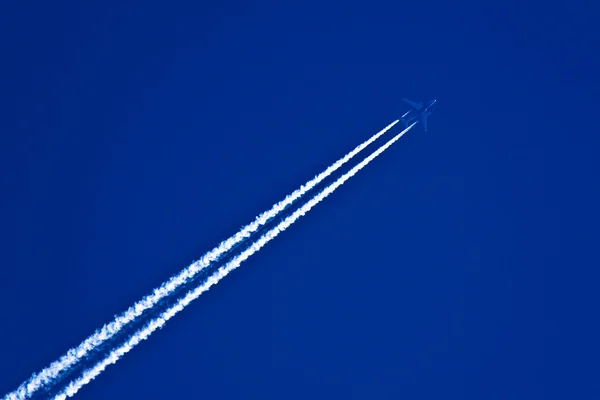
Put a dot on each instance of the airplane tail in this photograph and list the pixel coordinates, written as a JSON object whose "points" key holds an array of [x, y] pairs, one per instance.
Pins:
{"points": [[404, 118]]}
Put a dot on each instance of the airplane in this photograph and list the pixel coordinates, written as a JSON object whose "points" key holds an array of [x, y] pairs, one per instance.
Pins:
{"points": [[420, 111]]}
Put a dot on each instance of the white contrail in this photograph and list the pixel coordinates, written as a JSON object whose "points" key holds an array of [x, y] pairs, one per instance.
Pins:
{"points": [[158, 322], [48, 374]]}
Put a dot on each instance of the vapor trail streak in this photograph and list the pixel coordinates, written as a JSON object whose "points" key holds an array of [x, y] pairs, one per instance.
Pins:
{"points": [[48, 374], [158, 322]]}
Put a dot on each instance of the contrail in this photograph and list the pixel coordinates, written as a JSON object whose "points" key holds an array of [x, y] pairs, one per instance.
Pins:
{"points": [[47, 375], [158, 322]]}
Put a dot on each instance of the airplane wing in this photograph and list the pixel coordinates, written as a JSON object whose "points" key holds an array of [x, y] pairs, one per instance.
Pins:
{"points": [[414, 105]]}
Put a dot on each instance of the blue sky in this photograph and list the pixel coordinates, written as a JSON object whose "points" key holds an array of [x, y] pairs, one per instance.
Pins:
{"points": [[459, 264]]}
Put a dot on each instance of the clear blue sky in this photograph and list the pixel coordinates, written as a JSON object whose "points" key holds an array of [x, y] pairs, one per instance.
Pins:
{"points": [[460, 264]]}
